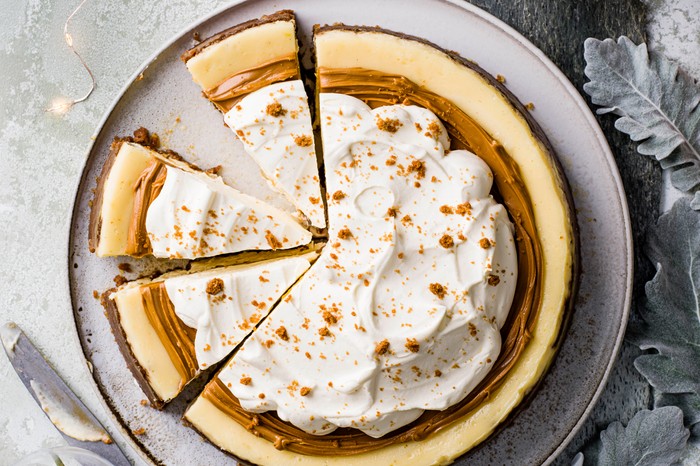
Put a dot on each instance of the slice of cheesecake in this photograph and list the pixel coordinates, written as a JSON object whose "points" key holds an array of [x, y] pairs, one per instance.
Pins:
{"points": [[251, 73], [171, 328], [150, 201]]}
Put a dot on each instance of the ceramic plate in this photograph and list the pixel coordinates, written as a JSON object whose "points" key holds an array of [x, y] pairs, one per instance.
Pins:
{"points": [[163, 98]]}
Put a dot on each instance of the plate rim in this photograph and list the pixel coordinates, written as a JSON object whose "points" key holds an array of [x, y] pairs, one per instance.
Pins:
{"points": [[116, 420]]}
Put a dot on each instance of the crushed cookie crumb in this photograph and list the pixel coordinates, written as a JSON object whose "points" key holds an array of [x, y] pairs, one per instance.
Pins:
{"points": [[446, 241], [486, 243], [417, 167], [324, 332], [272, 240], [434, 130], [215, 286], [500, 78], [391, 161], [275, 109], [412, 345], [382, 347], [314, 200], [438, 290], [494, 280], [261, 396], [124, 267], [246, 380], [345, 233], [139, 431], [447, 210], [472, 330], [330, 318], [437, 373], [390, 125], [392, 212], [95, 294], [464, 209], [119, 280], [530, 106], [303, 140], [144, 403], [282, 333], [338, 195], [304, 391]]}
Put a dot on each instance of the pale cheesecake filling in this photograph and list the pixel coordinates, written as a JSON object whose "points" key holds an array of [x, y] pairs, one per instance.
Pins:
{"points": [[242, 51], [402, 311], [224, 305], [197, 215], [274, 125]]}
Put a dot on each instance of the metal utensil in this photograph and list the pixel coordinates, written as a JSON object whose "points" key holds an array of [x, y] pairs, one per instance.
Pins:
{"points": [[72, 418]]}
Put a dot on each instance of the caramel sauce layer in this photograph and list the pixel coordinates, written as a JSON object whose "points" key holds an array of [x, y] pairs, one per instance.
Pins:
{"points": [[176, 337], [146, 189], [228, 93], [378, 89]]}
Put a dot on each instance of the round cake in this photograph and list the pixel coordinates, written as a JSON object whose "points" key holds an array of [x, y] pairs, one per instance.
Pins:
{"points": [[436, 291]]}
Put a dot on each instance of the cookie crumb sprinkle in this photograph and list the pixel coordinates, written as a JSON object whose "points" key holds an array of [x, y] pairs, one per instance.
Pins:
{"points": [[215, 286]]}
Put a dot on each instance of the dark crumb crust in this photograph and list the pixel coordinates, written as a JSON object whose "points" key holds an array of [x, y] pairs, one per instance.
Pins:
{"points": [[282, 15], [142, 137], [561, 180], [132, 363]]}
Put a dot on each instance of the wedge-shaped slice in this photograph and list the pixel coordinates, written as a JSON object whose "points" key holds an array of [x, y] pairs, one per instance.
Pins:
{"points": [[251, 73], [401, 341], [151, 202], [171, 328]]}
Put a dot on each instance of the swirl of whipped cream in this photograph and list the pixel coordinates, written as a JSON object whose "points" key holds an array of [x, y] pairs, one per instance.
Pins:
{"points": [[274, 125], [197, 215], [242, 296], [402, 311]]}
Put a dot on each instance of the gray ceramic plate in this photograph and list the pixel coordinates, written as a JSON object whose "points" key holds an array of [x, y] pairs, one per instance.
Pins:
{"points": [[163, 98]]}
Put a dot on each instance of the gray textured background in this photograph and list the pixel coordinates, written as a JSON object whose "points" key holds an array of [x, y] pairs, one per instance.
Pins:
{"points": [[41, 156]]}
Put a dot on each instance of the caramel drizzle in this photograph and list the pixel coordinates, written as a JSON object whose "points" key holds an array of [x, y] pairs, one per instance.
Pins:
{"points": [[176, 337], [378, 89], [146, 189], [228, 93]]}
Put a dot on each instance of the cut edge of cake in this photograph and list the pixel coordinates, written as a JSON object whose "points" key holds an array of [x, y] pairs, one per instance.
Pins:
{"points": [[140, 330]]}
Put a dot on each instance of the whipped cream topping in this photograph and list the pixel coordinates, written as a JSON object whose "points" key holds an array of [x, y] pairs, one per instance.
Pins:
{"points": [[225, 304], [197, 215], [402, 311], [274, 124]]}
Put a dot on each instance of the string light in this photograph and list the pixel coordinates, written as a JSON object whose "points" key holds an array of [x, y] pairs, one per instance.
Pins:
{"points": [[61, 104]]}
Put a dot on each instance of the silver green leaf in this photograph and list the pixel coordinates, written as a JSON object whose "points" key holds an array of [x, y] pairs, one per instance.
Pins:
{"points": [[658, 104], [670, 318], [651, 438]]}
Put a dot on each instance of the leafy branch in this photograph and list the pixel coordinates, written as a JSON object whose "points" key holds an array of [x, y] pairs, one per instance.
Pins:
{"points": [[657, 102]]}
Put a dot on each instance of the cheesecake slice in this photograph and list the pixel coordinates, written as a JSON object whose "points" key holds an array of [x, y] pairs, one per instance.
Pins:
{"points": [[171, 328], [251, 73], [150, 201], [450, 305]]}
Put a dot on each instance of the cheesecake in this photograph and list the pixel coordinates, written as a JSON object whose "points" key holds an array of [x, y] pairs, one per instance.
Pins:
{"points": [[171, 328], [439, 301], [251, 73], [151, 202]]}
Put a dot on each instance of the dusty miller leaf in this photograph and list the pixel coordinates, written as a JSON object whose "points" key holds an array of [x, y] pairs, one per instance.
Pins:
{"points": [[670, 318], [658, 104], [652, 438]]}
